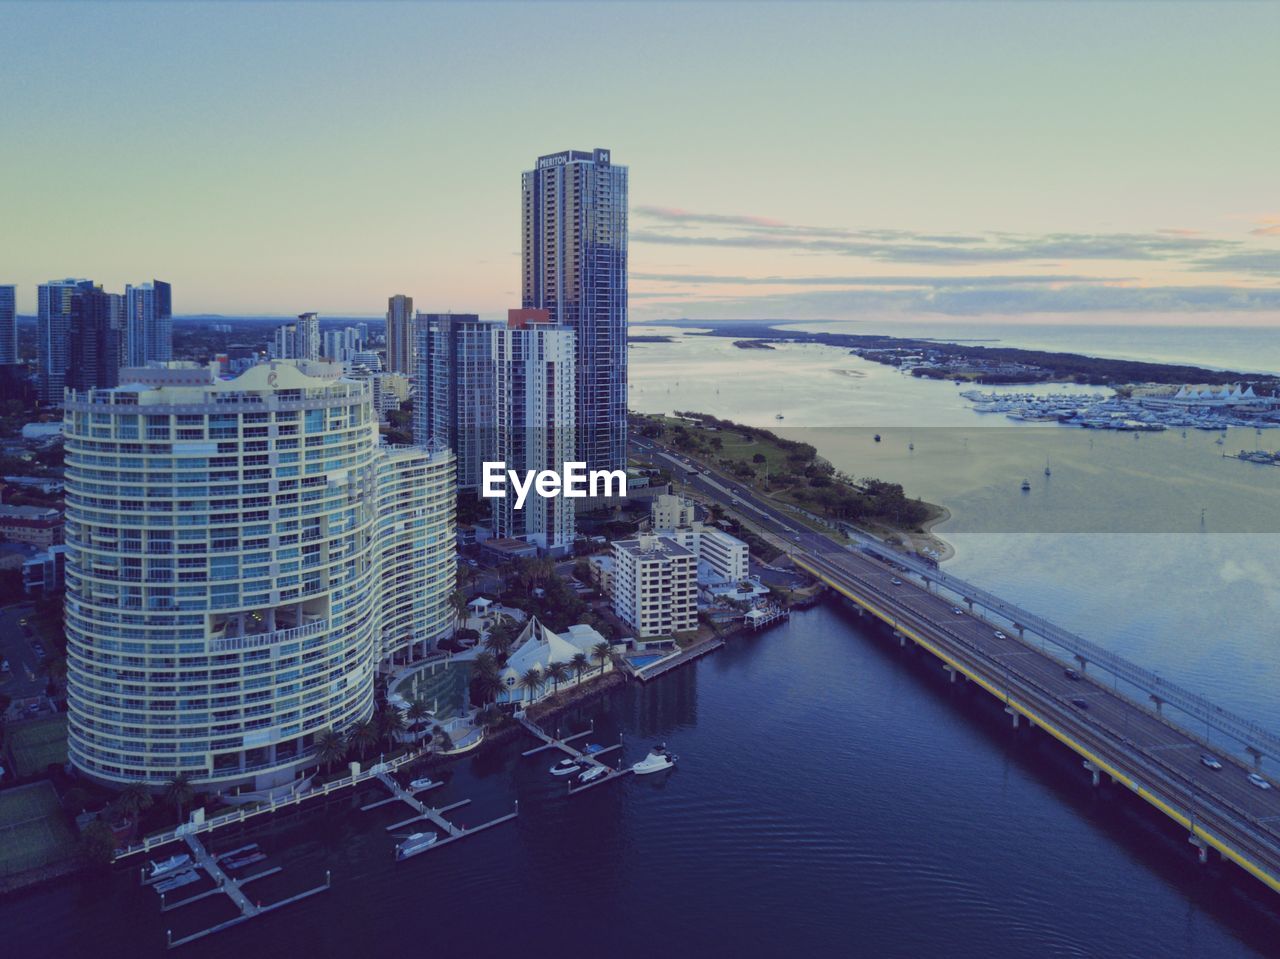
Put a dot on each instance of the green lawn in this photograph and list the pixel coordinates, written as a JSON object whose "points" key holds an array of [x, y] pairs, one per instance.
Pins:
{"points": [[33, 829], [36, 743]]}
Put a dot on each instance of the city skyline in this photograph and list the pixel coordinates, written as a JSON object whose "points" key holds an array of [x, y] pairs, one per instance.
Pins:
{"points": [[959, 163]]}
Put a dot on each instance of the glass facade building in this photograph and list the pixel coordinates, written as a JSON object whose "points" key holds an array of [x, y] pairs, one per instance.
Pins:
{"points": [[241, 556], [148, 324], [8, 325], [574, 265]]}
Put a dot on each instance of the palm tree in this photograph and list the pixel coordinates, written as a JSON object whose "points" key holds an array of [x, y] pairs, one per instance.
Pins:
{"points": [[500, 637], [134, 798], [458, 603], [364, 737], [178, 792], [331, 746], [580, 664], [532, 681], [417, 712], [600, 653], [557, 673], [485, 676], [390, 724]]}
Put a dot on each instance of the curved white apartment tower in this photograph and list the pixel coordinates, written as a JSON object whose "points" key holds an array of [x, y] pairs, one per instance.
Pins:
{"points": [[241, 555]]}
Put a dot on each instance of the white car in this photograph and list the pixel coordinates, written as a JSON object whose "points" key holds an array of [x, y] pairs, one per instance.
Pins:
{"points": [[1210, 761], [1256, 780], [999, 635], [957, 610]]}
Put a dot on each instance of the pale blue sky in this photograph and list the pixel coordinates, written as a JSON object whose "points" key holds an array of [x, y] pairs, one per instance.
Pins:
{"points": [[785, 160]]}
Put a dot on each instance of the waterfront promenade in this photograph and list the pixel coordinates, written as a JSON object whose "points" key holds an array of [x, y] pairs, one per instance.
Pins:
{"points": [[1137, 744]]}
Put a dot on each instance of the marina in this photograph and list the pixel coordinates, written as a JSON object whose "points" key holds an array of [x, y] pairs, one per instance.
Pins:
{"points": [[594, 771], [1139, 412], [417, 842]]}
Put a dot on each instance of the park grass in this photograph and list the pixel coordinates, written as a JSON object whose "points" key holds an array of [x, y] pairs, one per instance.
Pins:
{"points": [[37, 743], [34, 832]]}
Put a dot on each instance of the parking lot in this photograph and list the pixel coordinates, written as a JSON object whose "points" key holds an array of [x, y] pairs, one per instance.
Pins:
{"points": [[20, 646]]}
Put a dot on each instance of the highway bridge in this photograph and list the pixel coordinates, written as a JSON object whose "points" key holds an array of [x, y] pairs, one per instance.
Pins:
{"points": [[1055, 685]]}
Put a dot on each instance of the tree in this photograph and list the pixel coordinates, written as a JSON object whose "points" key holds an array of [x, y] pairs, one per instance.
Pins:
{"points": [[364, 736], [501, 636], [600, 653], [331, 747], [458, 603], [444, 742], [417, 714], [485, 678], [97, 844], [531, 682], [557, 673], [390, 725], [178, 792], [580, 664], [133, 799]]}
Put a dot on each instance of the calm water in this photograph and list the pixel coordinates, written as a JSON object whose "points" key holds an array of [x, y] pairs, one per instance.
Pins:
{"points": [[834, 797]]}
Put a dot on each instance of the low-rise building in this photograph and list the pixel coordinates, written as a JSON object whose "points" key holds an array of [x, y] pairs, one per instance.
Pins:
{"points": [[36, 525], [671, 512], [655, 586], [537, 649], [42, 574]]}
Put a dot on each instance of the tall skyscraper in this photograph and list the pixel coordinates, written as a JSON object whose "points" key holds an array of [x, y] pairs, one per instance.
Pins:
{"points": [[454, 388], [53, 327], [400, 334], [222, 610], [8, 325], [534, 362], [574, 245], [148, 323], [299, 340], [93, 341]]}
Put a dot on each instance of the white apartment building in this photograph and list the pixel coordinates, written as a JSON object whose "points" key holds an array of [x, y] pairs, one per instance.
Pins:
{"points": [[241, 556], [655, 586], [671, 512]]}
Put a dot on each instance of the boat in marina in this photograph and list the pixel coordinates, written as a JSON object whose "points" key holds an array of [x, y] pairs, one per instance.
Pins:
{"points": [[177, 881], [565, 767], [416, 843], [592, 773], [657, 761], [426, 782], [168, 866]]}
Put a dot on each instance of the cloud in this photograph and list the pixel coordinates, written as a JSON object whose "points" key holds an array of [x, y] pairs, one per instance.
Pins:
{"points": [[1073, 298], [1264, 262], [1270, 227], [900, 281]]}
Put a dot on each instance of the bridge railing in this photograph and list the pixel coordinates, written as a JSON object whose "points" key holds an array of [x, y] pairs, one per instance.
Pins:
{"points": [[1249, 733]]}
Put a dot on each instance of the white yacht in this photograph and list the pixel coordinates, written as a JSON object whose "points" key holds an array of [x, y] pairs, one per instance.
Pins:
{"points": [[592, 773], [426, 782], [167, 866], [565, 767], [657, 760], [415, 843]]}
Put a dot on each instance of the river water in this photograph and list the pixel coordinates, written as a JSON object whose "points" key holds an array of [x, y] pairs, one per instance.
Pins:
{"points": [[834, 795]]}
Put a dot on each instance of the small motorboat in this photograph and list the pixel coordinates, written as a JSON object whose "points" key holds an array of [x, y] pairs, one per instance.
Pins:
{"points": [[876, 437], [426, 782], [593, 748], [565, 767], [592, 773], [1026, 485], [657, 760], [168, 866], [177, 882], [779, 417], [415, 843]]}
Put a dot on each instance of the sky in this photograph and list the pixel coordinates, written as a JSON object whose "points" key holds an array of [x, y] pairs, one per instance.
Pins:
{"points": [[1078, 162]]}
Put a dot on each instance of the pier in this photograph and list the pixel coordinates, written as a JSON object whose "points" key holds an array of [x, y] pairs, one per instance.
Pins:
{"points": [[590, 759], [435, 816], [663, 666], [229, 886]]}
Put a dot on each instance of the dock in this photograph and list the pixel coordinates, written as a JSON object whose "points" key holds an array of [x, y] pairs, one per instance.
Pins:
{"points": [[232, 888], [435, 816], [686, 655], [591, 759]]}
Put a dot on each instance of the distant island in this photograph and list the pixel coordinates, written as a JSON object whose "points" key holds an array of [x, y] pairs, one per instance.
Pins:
{"points": [[936, 359], [650, 338]]}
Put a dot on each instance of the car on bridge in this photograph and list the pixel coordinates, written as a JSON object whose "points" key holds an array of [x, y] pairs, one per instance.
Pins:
{"points": [[1071, 674], [998, 634], [1080, 703], [896, 581], [1256, 780], [957, 610], [1210, 761]]}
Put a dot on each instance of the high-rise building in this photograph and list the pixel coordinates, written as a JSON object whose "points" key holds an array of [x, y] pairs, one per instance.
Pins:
{"points": [[654, 586], [148, 324], [93, 341], [574, 245], [534, 362], [241, 555], [400, 334], [8, 325], [454, 388], [53, 326], [299, 340]]}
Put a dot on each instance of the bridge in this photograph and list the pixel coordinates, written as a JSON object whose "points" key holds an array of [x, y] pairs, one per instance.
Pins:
{"points": [[1057, 685]]}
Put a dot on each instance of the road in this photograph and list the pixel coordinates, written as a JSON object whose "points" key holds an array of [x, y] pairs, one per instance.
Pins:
{"points": [[1154, 757], [23, 679]]}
